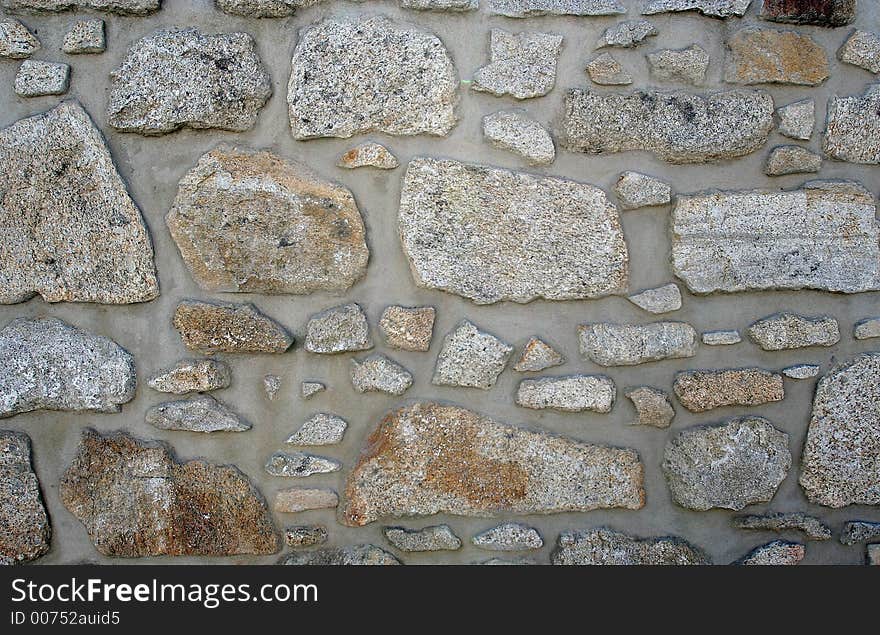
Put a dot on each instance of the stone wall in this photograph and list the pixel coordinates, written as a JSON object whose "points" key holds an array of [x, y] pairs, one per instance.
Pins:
{"points": [[540, 167]]}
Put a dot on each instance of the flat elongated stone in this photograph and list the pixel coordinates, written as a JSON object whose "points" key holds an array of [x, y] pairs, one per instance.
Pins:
{"points": [[663, 299], [797, 120], [378, 373], [862, 49], [514, 131], [16, 41], [429, 458], [135, 499], [320, 429], [121, 7], [201, 413], [768, 56], [509, 537], [627, 34], [852, 130], [867, 328], [339, 330], [811, 527], [435, 538], [530, 8], [368, 155], [728, 466], [48, 364], [300, 464], [71, 231], [522, 65], [538, 355], [713, 8], [574, 393], [607, 71], [828, 13], [801, 371], [778, 552], [305, 536], [300, 499], [822, 236], [635, 190], [784, 331], [261, 8], [678, 127], [784, 160], [721, 338], [609, 344], [357, 555], [384, 77], [535, 237], [251, 222], [840, 464], [223, 327], [702, 390], [26, 529], [608, 547], [192, 375], [85, 36], [687, 65], [856, 531], [652, 407], [409, 329], [471, 358], [456, 6]]}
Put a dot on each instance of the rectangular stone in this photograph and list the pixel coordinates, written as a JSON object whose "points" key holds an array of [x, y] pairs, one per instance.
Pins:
{"points": [[575, 393], [609, 344]]}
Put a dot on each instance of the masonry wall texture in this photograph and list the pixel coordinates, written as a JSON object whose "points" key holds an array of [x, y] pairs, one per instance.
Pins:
{"points": [[464, 220]]}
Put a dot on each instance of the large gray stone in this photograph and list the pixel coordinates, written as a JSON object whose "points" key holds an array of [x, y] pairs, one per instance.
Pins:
{"points": [[609, 344], [122, 7], [608, 547], [470, 358], [201, 413], [713, 8], [522, 65], [702, 390], [340, 329], [784, 331], [26, 528], [226, 327], [357, 555], [852, 130], [574, 393], [16, 41], [530, 8]]}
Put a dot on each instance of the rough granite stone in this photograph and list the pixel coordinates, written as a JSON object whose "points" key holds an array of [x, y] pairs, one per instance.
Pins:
{"points": [[712, 8], [727, 466], [251, 222], [470, 358], [862, 49], [36, 78], [383, 77], [810, 526], [225, 327], [535, 237], [678, 127], [822, 236], [509, 537], [627, 34], [368, 155], [98, 249], [85, 36], [797, 120], [635, 190], [320, 429], [309, 389], [702, 390], [867, 328], [176, 78], [26, 529], [827, 13], [516, 132], [606, 71], [533, 8], [16, 41], [778, 552], [262, 8], [300, 499], [604, 546], [339, 329], [522, 65], [538, 355], [120, 7], [201, 413], [357, 555], [769, 56], [435, 538], [300, 464], [573, 393], [378, 373], [429, 458], [609, 344], [408, 328], [192, 375], [791, 159], [48, 364], [305, 536], [852, 130], [653, 407], [135, 499], [455, 6], [856, 531], [721, 338], [686, 66], [801, 371], [784, 331], [271, 386], [660, 300], [840, 464]]}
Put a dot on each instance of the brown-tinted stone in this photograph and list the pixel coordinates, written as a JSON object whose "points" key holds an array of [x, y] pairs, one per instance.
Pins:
{"points": [[299, 499], [701, 390], [409, 329], [765, 56], [25, 526], [778, 552], [830, 13], [221, 327]]}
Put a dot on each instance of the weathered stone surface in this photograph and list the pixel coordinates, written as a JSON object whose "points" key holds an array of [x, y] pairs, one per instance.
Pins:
{"points": [[574, 393], [441, 5], [852, 130], [627, 34], [175, 78], [721, 338], [810, 526], [26, 528], [635, 190], [192, 375], [797, 120], [509, 537], [862, 49], [535, 237], [609, 344], [687, 65], [652, 407], [513, 562], [663, 299], [516, 132], [71, 231], [271, 386], [768, 56], [829, 13], [822, 236], [702, 390], [784, 331], [429, 458], [383, 76], [36, 78], [48, 364], [300, 464], [339, 329], [678, 127], [872, 555], [378, 373], [522, 65], [225, 327], [471, 358], [801, 371], [778, 552], [121, 7], [201, 413], [85, 36], [135, 499], [16, 41], [840, 464], [261, 8], [358, 555], [300, 499], [320, 429], [867, 328], [856, 531], [538, 355], [606, 71], [304, 536], [248, 221], [713, 8], [368, 155], [608, 547], [435, 538], [728, 466], [530, 8], [409, 329], [309, 389], [792, 159]]}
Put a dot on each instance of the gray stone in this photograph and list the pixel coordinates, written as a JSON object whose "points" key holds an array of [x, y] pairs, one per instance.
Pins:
{"points": [[384, 77], [201, 413], [801, 371], [778, 552], [368, 155], [797, 120], [378, 373], [827, 13], [840, 464], [74, 234], [784, 331], [721, 338], [192, 375], [768, 56], [713, 8], [609, 344], [635, 190], [251, 222], [811, 527], [304, 536], [357, 555], [792, 159], [856, 531], [514, 131], [26, 529], [573, 393], [300, 499], [872, 555], [428, 458], [661, 300], [852, 130], [522, 65], [340, 329], [608, 547], [121, 7], [409, 329], [48, 364], [702, 390], [867, 328], [727, 466], [535, 237], [678, 127], [435, 538], [85, 36], [262, 8], [530, 8], [822, 236], [686, 66], [509, 537], [320, 429], [456, 6], [627, 34], [606, 71], [471, 358], [862, 49], [225, 327], [16, 41], [513, 562], [652, 407], [36, 78], [300, 465], [309, 389], [538, 355], [271, 386]]}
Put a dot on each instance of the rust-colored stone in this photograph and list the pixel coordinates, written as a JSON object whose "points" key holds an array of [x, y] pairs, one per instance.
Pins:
{"points": [[765, 56], [829, 13]]}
